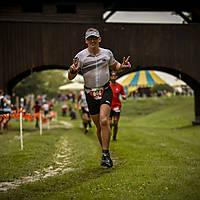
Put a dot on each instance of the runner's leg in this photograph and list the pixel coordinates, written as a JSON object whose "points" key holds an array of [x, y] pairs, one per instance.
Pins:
{"points": [[110, 120], [115, 129], [89, 120], [96, 121], [85, 122], [105, 126]]}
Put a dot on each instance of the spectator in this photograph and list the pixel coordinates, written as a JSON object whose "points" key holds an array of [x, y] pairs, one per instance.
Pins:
{"points": [[1, 110], [37, 108], [45, 108], [64, 109], [7, 110]]}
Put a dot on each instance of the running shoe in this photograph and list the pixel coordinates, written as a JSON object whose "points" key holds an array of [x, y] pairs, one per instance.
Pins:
{"points": [[86, 131], [89, 123], [106, 160]]}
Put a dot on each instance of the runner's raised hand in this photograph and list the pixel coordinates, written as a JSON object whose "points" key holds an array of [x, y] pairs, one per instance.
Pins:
{"points": [[125, 63], [74, 68]]}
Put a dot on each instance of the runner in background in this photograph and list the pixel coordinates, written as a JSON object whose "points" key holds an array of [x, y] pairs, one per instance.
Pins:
{"points": [[116, 103], [45, 107], [81, 99]]}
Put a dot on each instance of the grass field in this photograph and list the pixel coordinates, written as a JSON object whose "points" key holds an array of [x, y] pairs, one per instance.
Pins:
{"points": [[156, 157]]}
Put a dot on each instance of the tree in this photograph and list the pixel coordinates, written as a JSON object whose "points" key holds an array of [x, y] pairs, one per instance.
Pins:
{"points": [[45, 82]]}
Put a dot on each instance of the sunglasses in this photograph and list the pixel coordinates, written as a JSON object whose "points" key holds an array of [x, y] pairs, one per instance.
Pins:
{"points": [[92, 38]]}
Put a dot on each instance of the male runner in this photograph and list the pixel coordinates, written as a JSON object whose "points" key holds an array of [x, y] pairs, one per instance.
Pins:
{"points": [[116, 103], [94, 64]]}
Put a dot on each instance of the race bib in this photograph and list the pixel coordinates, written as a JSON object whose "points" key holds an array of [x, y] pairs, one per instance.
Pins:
{"points": [[97, 93], [116, 109]]}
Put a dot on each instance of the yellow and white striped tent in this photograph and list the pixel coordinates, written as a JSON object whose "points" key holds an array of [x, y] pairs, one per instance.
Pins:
{"points": [[143, 78]]}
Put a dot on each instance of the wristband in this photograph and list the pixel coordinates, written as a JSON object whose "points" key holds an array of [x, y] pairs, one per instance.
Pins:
{"points": [[72, 71]]}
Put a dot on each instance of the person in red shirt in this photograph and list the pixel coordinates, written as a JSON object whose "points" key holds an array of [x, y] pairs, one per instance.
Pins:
{"points": [[37, 108], [116, 103]]}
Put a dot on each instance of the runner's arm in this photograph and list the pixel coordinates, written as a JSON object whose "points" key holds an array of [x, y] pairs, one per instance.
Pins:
{"points": [[116, 66], [119, 67], [73, 69], [123, 97], [123, 94], [72, 73]]}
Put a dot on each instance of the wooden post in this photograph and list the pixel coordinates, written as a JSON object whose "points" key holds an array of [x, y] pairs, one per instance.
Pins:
{"points": [[40, 123], [21, 136], [197, 107]]}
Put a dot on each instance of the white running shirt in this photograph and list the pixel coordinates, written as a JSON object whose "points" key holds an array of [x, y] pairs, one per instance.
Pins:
{"points": [[95, 68], [83, 99]]}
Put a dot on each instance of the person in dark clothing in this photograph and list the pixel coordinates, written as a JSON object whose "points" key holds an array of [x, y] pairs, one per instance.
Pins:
{"points": [[37, 108]]}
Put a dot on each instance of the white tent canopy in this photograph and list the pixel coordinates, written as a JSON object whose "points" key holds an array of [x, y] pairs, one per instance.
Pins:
{"points": [[72, 86], [78, 78], [170, 79]]}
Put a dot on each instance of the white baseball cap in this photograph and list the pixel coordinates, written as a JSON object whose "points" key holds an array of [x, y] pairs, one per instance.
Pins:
{"points": [[92, 33]]}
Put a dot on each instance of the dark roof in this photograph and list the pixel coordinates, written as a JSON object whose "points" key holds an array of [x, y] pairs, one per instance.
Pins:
{"points": [[113, 6]]}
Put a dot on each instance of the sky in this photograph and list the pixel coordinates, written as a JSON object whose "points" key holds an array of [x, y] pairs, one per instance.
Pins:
{"points": [[144, 17]]}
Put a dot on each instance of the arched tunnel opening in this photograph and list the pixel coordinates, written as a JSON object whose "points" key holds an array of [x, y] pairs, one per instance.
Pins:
{"points": [[13, 82], [192, 83]]}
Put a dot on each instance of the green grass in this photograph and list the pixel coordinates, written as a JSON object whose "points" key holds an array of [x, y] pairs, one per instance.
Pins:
{"points": [[157, 156]]}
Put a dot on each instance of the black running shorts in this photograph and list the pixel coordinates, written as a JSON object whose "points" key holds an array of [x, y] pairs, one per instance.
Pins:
{"points": [[84, 110], [114, 114], [94, 105]]}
